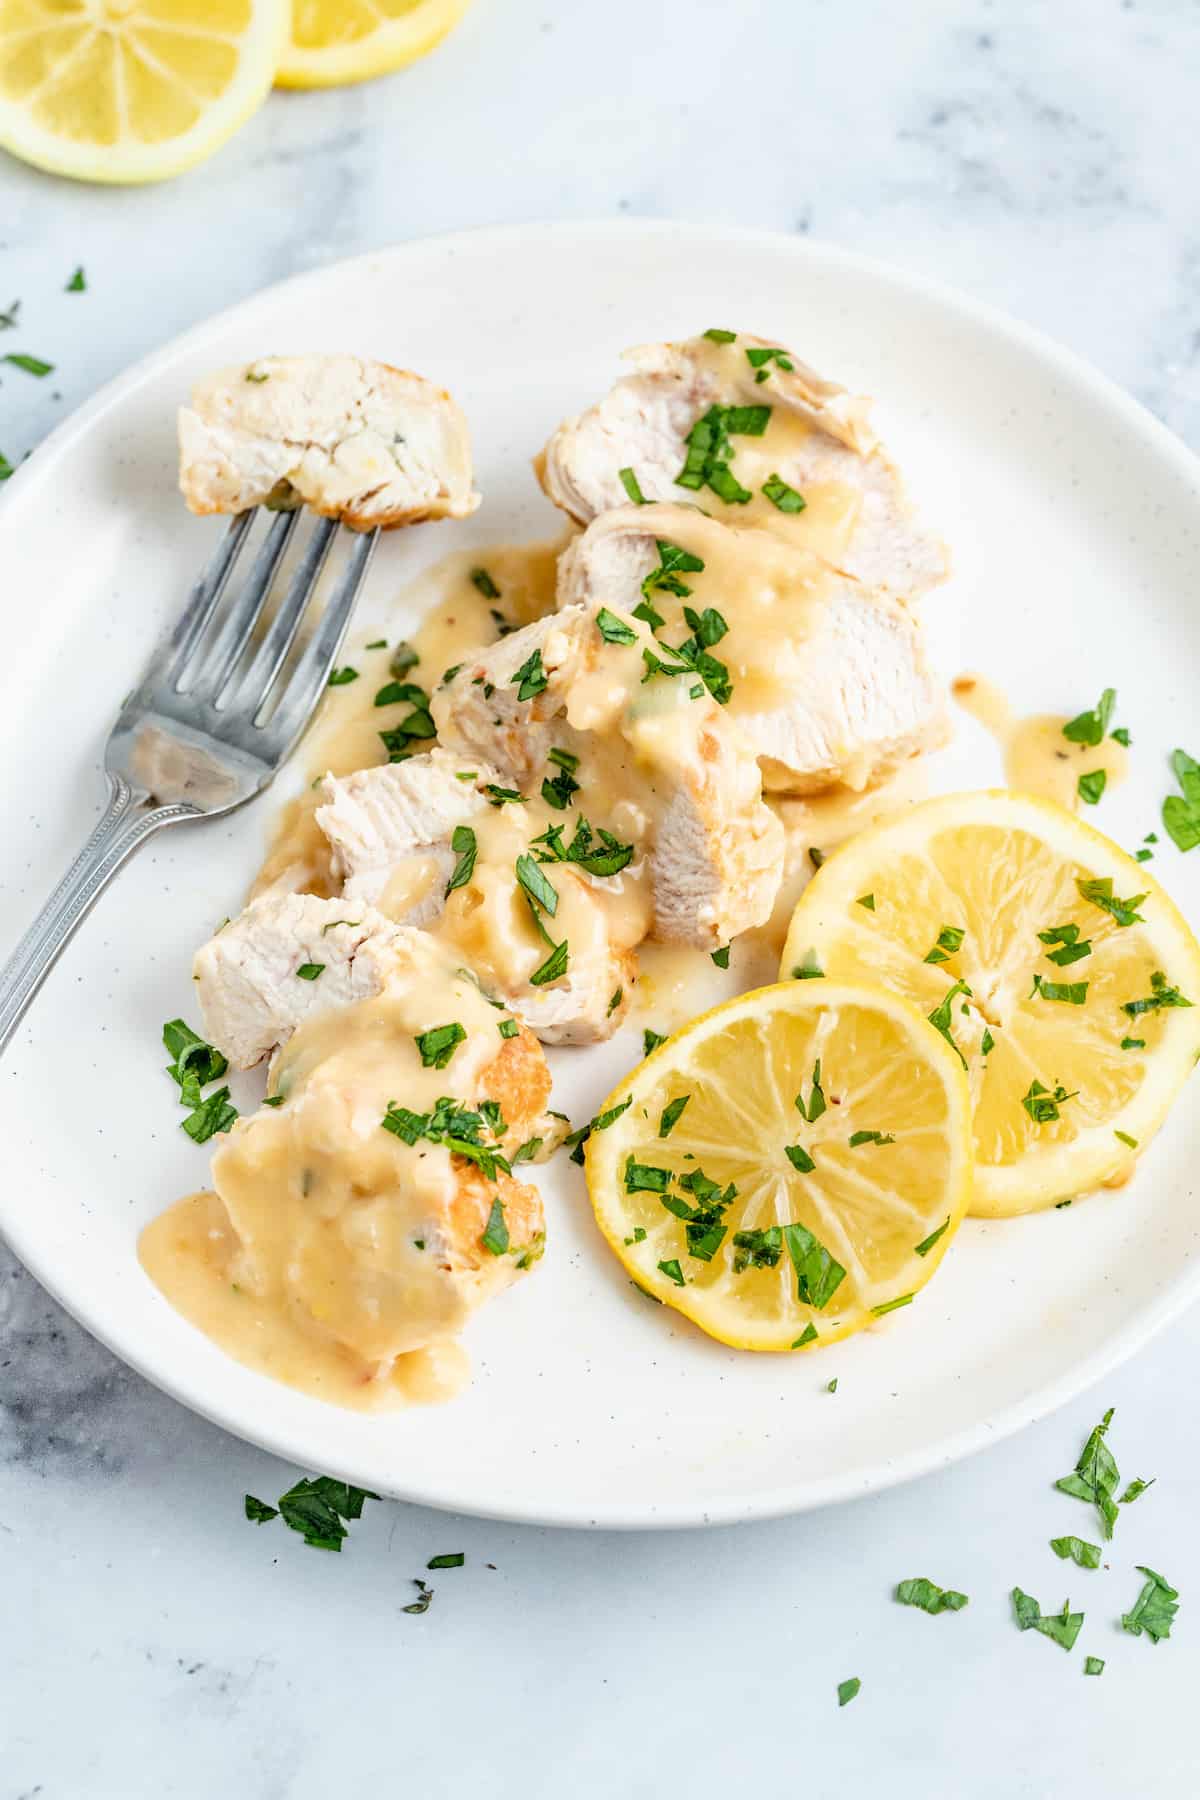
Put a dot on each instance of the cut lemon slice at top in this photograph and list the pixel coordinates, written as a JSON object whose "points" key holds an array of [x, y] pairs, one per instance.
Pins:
{"points": [[789, 1167], [1056, 965], [336, 41], [132, 90]]}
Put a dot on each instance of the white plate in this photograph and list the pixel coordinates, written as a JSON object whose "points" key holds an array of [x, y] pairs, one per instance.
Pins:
{"points": [[1075, 524]]}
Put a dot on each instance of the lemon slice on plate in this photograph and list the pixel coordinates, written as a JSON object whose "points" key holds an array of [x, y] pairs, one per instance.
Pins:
{"points": [[1058, 968], [336, 41], [789, 1167], [132, 90]]}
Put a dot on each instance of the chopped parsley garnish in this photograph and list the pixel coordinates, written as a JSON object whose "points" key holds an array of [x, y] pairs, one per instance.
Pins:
{"points": [[671, 1115], [1093, 1665], [558, 790], [831, 1386], [450, 1123], [1095, 1476], [757, 1249], [32, 365], [597, 853], [438, 1045], [811, 1112], [1092, 785], [343, 677], [1071, 993], [940, 1017], [273, 1100], [1042, 1105], [614, 630], [672, 1271], [527, 1151], [424, 1597], [926, 1594], [1099, 893], [1160, 996], [193, 1062], [77, 283], [462, 842], [257, 1511], [1126, 1139], [847, 1690], [576, 1140], [483, 581], [502, 796], [1071, 947], [818, 1273], [402, 659], [704, 1220], [629, 482], [809, 1335], [867, 901], [554, 967], [652, 1039], [1121, 736], [614, 1000], [799, 1158], [870, 1137], [416, 727], [1135, 1489], [760, 358], [1154, 1609], [645, 1178], [310, 971], [1077, 1550], [717, 336], [495, 1235], [949, 939], [317, 1508], [530, 679], [987, 1042], [809, 969], [540, 890], [888, 1306], [1061, 1628], [380, 644], [709, 450], [6, 467], [926, 1244], [1128, 1043], [692, 656], [213, 1114], [1091, 727], [257, 376], [786, 498], [8, 319], [1181, 812], [449, 1559], [673, 561], [721, 957]]}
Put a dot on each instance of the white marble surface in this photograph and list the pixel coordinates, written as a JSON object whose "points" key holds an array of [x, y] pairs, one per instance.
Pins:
{"points": [[158, 1645]]}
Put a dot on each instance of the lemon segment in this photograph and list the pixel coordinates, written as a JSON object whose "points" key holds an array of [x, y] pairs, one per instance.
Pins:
{"points": [[1067, 1083], [132, 90], [337, 41], [727, 1181]]}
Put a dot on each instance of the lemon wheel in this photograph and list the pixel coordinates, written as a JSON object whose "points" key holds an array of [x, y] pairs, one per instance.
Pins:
{"points": [[337, 41], [1063, 975], [132, 90], [790, 1167]]}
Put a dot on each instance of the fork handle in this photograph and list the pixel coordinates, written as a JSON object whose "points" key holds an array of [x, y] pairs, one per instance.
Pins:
{"points": [[129, 818]]}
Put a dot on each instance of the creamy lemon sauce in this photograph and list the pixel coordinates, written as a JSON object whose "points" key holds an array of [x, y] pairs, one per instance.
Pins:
{"points": [[334, 1255], [1038, 759]]}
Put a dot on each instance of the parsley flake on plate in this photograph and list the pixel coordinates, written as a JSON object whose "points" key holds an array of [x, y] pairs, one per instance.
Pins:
{"points": [[1181, 812], [1154, 1609], [926, 1594], [1095, 1476], [1061, 1628]]}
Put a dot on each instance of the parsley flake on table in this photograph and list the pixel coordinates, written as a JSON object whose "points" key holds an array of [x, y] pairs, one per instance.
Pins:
{"points": [[847, 1690], [1061, 1628], [449, 1559], [1093, 1665], [1181, 812], [32, 365], [920, 1591], [1095, 1476], [257, 1511], [317, 1509], [1077, 1550], [1154, 1609], [1135, 1489]]}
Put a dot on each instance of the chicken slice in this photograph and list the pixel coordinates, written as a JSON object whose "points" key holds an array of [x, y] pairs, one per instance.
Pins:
{"points": [[661, 764], [373, 1201], [358, 441], [829, 678], [392, 833], [815, 440]]}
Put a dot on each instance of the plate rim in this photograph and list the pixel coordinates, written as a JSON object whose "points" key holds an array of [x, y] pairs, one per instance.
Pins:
{"points": [[803, 1495]]}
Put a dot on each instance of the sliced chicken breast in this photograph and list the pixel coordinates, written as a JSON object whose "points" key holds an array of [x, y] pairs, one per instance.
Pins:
{"points": [[785, 450], [829, 681], [392, 833], [355, 440], [660, 763]]}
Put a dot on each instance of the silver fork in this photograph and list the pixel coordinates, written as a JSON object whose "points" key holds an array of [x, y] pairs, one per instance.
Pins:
{"points": [[200, 735]]}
